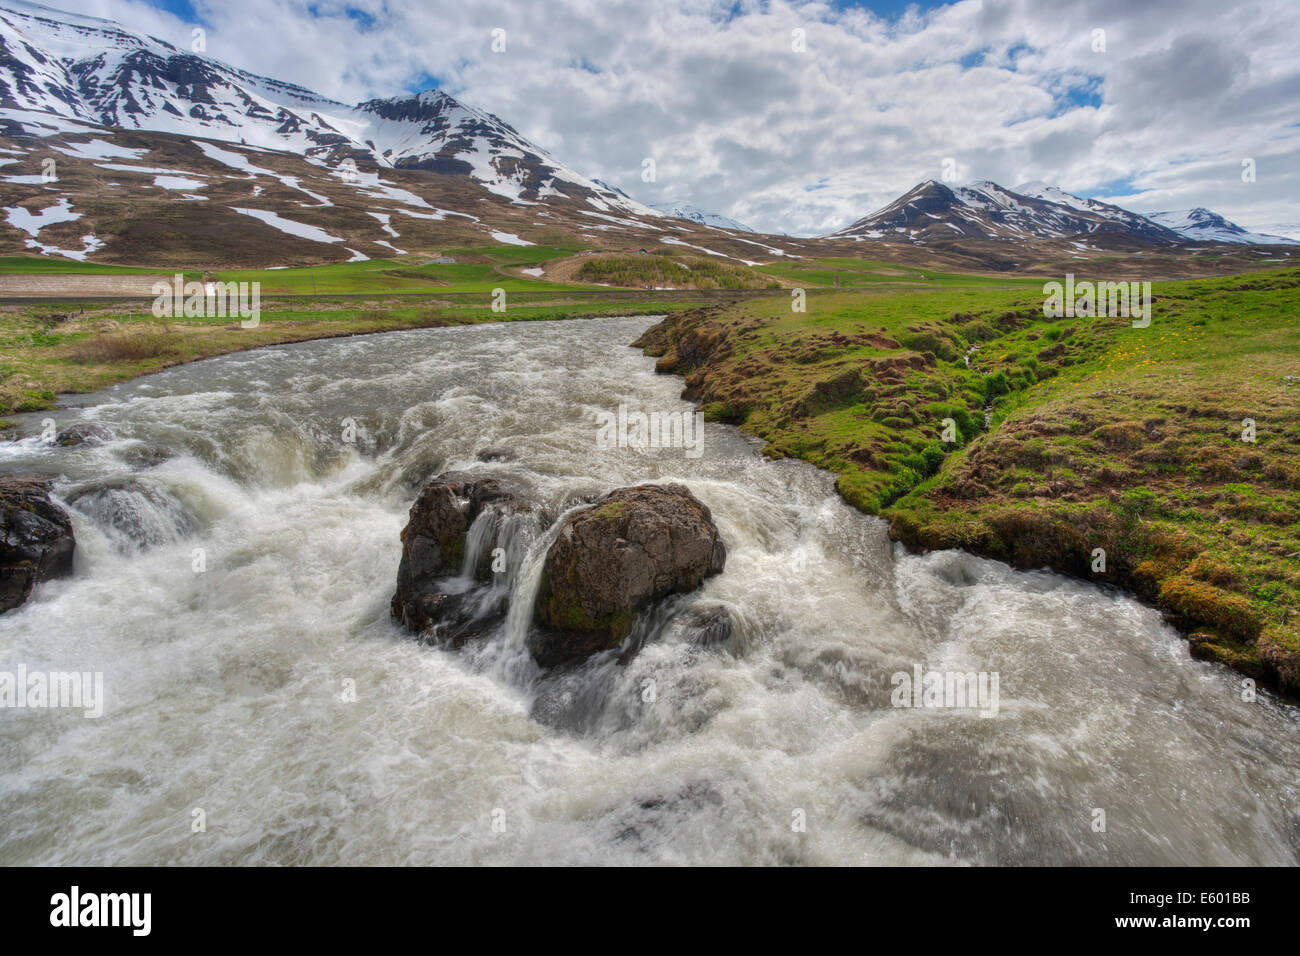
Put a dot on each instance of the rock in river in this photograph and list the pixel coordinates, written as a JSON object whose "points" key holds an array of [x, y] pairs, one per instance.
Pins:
{"points": [[83, 433], [36, 541], [612, 559], [435, 543]]}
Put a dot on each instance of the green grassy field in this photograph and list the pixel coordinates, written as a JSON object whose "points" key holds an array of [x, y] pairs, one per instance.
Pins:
{"points": [[40, 265], [476, 270], [866, 273], [1099, 435]]}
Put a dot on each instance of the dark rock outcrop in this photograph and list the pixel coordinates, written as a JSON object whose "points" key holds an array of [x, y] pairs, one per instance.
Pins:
{"points": [[613, 558], [36, 541], [434, 544]]}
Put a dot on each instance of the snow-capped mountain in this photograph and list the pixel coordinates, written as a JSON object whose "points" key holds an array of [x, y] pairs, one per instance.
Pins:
{"points": [[683, 210], [1131, 221], [933, 212], [1283, 230], [1201, 225], [94, 71]]}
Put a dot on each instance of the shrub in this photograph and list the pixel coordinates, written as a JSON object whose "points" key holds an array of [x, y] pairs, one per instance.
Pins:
{"points": [[647, 271], [927, 461], [125, 346], [995, 385]]}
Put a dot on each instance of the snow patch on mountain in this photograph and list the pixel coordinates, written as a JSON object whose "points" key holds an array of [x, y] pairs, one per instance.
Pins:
{"points": [[510, 238], [98, 149], [289, 226], [33, 222], [177, 182], [721, 255]]}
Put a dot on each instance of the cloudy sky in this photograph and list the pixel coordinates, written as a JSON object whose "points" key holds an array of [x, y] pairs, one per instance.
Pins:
{"points": [[1152, 105]]}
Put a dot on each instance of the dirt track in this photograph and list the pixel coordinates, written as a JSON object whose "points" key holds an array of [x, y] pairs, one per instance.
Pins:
{"points": [[75, 285]]}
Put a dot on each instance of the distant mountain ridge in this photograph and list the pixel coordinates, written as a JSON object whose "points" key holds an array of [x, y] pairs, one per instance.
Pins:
{"points": [[932, 212], [683, 210], [1201, 225]]}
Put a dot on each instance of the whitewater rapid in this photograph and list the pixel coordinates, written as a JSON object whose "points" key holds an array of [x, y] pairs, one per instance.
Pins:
{"points": [[235, 559]]}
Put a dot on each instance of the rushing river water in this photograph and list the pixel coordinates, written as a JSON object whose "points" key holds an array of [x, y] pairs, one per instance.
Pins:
{"points": [[271, 690]]}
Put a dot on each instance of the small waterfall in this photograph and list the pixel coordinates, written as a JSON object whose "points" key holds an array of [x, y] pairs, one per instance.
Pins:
{"points": [[479, 597], [988, 406], [499, 540], [517, 534], [527, 582], [482, 535]]}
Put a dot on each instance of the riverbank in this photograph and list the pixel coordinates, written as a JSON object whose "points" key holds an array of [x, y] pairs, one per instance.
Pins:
{"points": [[1164, 460], [49, 350]]}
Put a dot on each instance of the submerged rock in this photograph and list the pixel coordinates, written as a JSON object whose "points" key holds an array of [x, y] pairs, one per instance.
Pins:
{"points": [[454, 618], [612, 559], [36, 541], [136, 513], [83, 433], [707, 625], [435, 542], [146, 456]]}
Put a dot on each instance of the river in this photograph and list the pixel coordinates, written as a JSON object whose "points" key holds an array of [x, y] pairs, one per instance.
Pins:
{"points": [[232, 584]]}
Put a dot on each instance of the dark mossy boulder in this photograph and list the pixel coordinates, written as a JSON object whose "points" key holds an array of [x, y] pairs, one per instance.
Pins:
{"points": [[36, 541], [434, 544], [612, 559]]}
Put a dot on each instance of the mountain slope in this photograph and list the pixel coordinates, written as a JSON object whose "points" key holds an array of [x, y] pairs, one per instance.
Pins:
{"points": [[167, 157], [163, 156], [94, 71]]}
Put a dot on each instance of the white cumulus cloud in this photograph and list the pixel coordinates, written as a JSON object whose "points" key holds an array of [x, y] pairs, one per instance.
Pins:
{"points": [[741, 122]]}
